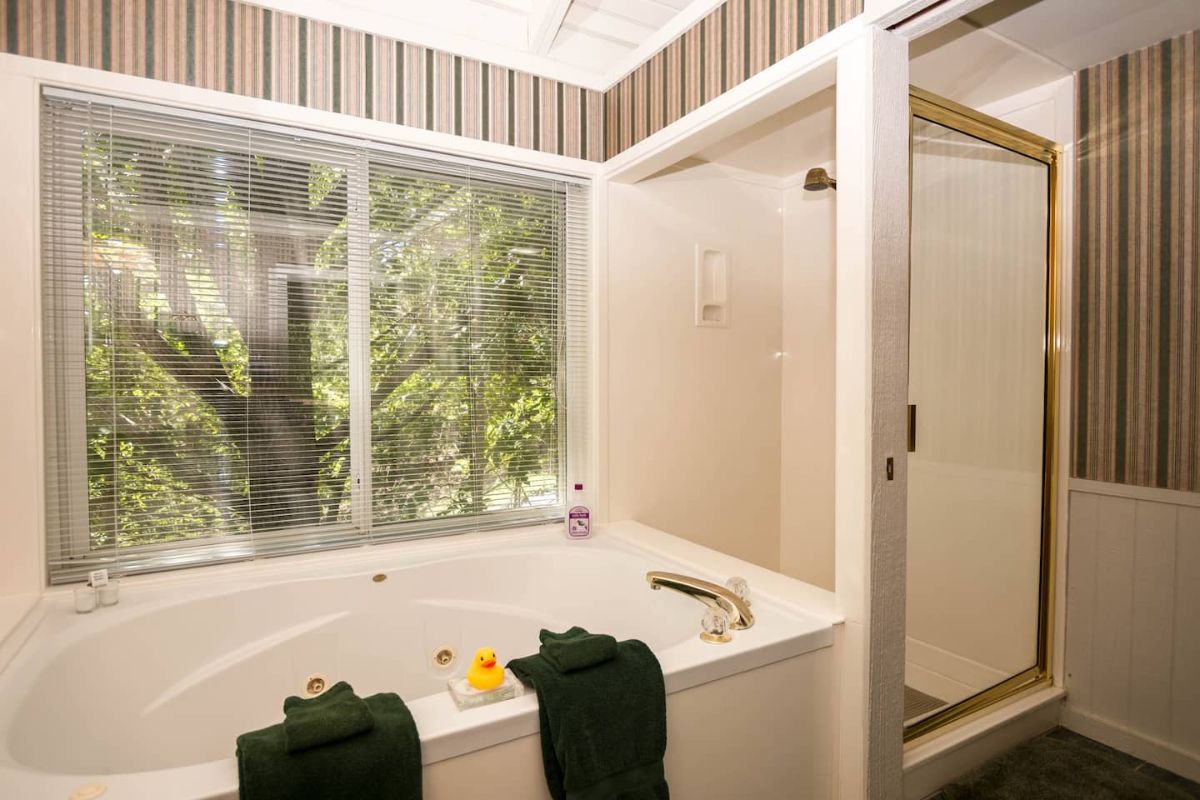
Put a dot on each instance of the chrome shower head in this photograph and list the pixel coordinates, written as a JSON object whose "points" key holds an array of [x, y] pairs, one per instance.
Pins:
{"points": [[818, 179]]}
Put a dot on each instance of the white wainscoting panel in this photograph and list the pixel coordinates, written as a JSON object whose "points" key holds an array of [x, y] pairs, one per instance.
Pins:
{"points": [[1133, 622]]}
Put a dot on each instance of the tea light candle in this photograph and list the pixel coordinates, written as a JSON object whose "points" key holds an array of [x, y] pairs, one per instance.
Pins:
{"points": [[109, 593], [85, 599]]}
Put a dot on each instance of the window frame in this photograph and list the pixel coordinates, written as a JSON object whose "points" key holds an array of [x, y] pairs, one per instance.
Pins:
{"points": [[572, 393]]}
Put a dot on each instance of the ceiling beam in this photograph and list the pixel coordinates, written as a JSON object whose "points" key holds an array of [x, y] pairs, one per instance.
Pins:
{"points": [[545, 19]]}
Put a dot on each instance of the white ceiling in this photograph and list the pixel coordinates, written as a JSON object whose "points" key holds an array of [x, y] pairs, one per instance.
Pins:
{"points": [[597, 34], [1000, 50], [1012, 45], [592, 43], [1080, 33], [975, 67], [783, 145]]}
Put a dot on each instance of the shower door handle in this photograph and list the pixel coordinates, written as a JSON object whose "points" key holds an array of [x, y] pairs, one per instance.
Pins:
{"points": [[912, 428]]}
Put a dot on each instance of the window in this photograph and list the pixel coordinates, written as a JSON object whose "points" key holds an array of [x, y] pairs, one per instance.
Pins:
{"points": [[261, 340]]}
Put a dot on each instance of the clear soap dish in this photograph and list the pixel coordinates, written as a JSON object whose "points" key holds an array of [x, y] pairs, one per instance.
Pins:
{"points": [[467, 696]]}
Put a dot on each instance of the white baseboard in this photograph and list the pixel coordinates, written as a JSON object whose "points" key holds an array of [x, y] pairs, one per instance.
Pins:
{"points": [[1156, 751], [946, 675]]}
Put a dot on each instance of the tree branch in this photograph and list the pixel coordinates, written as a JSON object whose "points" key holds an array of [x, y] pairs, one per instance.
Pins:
{"points": [[399, 374], [330, 441], [392, 381], [200, 371]]}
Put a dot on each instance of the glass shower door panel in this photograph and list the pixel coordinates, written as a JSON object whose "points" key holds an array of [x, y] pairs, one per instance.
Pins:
{"points": [[977, 372]]}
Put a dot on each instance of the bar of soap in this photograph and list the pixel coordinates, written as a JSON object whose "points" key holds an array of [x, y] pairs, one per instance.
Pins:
{"points": [[467, 696]]}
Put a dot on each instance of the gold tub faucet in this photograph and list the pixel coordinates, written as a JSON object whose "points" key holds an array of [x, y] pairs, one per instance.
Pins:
{"points": [[712, 595]]}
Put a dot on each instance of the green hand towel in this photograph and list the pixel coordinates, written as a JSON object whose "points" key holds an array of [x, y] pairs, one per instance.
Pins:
{"points": [[382, 764], [338, 713], [576, 648], [603, 729]]}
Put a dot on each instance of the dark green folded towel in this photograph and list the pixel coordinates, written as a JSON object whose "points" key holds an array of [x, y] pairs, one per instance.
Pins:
{"points": [[604, 728], [336, 714], [383, 763], [576, 648]]}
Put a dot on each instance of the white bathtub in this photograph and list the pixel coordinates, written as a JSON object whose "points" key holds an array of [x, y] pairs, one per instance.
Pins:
{"points": [[148, 697]]}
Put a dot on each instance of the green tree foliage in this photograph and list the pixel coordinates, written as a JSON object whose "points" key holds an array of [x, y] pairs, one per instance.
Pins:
{"points": [[217, 349]]}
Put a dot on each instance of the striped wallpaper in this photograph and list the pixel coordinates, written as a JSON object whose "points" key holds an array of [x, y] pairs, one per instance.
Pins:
{"points": [[244, 49], [1137, 318], [734, 42], [240, 48]]}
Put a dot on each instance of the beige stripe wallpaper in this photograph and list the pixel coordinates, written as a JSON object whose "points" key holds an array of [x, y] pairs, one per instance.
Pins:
{"points": [[1137, 312], [244, 49], [240, 48], [736, 41]]}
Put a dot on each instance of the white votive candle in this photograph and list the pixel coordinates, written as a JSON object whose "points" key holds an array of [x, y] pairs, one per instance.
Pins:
{"points": [[109, 593], [85, 599]]}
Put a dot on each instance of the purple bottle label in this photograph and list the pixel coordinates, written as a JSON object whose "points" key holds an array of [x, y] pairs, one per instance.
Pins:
{"points": [[579, 522]]}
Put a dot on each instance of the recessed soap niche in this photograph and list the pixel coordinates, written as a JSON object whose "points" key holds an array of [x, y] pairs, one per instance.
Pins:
{"points": [[712, 287]]}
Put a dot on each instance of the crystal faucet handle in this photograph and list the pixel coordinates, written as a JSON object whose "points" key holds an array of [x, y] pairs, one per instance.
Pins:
{"points": [[740, 587], [714, 626]]}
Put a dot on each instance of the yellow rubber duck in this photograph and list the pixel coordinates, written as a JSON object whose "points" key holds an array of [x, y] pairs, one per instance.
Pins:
{"points": [[484, 673]]}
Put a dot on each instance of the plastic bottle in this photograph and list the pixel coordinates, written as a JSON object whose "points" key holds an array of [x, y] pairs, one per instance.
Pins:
{"points": [[579, 517]]}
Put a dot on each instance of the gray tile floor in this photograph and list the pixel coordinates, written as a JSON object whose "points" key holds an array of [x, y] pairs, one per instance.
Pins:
{"points": [[1063, 765]]}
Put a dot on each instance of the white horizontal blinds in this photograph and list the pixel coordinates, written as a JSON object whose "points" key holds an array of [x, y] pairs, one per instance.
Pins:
{"points": [[296, 289], [202, 266], [576, 340], [261, 340], [65, 252], [467, 401], [516, 364]]}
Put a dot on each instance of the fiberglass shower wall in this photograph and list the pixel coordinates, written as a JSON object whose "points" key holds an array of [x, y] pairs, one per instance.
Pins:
{"points": [[693, 411], [723, 433]]}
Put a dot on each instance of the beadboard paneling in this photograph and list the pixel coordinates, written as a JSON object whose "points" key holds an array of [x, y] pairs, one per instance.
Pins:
{"points": [[1113, 606], [1185, 686], [1154, 538], [1133, 636], [243, 49]]}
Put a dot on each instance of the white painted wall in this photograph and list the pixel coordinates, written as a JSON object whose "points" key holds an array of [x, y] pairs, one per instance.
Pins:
{"points": [[809, 284], [693, 431], [20, 346], [1133, 640], [870, 382]]}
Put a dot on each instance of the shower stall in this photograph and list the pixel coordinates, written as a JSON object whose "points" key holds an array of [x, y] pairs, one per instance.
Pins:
{"points": [[760, 207], [981, 418]]}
